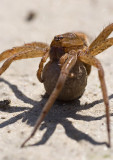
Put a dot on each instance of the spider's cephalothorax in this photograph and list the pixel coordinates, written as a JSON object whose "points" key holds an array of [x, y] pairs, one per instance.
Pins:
{"points": [[63, 43], [72, 57]]}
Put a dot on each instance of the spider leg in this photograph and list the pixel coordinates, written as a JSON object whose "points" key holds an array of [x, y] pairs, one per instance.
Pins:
{"points": [[101, 47], [60, 83], [40, 69], [102, 36], [27, 51], [63, 59], [96, 63], [43, 60], [34, 45]]}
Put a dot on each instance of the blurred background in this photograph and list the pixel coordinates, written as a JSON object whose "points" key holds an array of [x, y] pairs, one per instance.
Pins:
{"points": [[39, 20]]}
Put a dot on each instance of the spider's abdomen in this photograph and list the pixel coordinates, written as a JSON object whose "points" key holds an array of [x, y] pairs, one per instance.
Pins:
{"points": [[74, 86]]}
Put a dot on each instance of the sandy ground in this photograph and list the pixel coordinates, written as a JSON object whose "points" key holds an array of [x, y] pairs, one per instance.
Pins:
{"points": [[75, 130]]}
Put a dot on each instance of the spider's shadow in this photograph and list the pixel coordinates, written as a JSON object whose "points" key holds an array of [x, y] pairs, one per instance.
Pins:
{"points": [[57, 115]]}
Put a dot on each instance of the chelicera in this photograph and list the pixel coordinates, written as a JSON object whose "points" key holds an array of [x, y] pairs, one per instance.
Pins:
{"points": [[70, 60]]}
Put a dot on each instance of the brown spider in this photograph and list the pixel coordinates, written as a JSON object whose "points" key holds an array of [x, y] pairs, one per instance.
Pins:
{"points": [[66, 50]]}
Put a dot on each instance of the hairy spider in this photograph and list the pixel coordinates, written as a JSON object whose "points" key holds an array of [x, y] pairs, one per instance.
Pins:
{"points": [[68, 52]]}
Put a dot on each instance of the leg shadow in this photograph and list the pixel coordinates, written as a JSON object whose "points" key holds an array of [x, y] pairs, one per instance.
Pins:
{"points": [[57, 115]]}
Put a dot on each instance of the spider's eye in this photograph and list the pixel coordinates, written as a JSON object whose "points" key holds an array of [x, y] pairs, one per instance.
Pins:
{"points": [[57, 38]]}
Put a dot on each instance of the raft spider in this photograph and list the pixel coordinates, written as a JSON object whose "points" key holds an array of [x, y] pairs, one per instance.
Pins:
{"points": [[66, 50]]}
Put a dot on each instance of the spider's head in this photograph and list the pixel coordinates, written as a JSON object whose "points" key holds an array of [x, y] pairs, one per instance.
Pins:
{"points": [[69, 40], [63, 43]]}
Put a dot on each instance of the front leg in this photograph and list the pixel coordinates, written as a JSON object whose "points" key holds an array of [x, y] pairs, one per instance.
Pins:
{"points": [[95, 62], [34, 46], [60, 83], [40, 69], [31, 50], [101, 47], [102, 36]]}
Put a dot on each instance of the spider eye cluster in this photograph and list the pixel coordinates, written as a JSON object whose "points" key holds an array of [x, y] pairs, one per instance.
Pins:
{"points": [[57, 38]]}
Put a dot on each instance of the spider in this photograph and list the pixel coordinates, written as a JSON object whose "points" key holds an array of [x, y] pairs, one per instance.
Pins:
{"points": [[66, 50]]}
